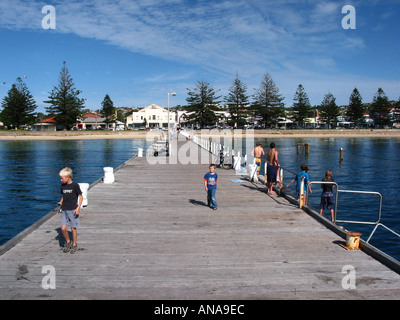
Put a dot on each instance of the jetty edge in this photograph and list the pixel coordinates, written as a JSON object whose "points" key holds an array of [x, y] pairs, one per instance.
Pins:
{"points": [[14, 240], [150, 235]]}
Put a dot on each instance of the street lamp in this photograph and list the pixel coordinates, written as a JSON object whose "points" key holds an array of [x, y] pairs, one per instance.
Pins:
{"points": [[172, 94], [167, 142]]}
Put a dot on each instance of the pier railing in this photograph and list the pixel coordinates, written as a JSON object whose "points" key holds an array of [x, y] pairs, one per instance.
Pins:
{"points": [[220, 152], [303, 200], [376, 223], [365, 244]]}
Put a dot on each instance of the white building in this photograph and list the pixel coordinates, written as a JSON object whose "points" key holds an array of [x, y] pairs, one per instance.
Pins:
{"points": [[153, 116]]}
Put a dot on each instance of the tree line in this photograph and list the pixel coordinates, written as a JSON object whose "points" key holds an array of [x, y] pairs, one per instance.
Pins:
{"points": [[65, 104], [265, 104]]}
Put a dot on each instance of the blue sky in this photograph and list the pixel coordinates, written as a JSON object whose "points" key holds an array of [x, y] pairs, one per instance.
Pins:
{"points": [[138, 51]]}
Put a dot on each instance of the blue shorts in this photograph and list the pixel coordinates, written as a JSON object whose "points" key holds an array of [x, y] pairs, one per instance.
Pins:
{"points": [[69, 218], [271, 173], [327, 201]]}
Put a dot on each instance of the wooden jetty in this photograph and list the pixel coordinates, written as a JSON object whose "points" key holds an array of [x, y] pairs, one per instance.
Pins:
{"points": [[150, 235]]}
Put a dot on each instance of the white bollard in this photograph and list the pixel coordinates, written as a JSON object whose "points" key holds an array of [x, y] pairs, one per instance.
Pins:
{"points": [[140, 152], [108, 175], [84, 188]]}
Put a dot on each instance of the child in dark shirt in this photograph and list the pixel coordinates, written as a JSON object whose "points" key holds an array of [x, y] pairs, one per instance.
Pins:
{"points": [[327, 199], [70, 203]]}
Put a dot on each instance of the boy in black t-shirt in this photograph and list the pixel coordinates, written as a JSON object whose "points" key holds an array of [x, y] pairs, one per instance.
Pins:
{"points": [[70, 203]]}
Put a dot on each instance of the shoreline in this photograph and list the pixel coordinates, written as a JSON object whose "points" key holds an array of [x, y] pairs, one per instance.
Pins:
{"points": [[91, 135]]}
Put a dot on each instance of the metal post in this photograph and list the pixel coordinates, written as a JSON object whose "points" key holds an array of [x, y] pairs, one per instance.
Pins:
{"points": [[301, 193], [172, 94]]}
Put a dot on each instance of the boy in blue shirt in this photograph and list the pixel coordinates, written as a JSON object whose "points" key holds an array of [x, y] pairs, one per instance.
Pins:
{"points": [[302, 173], [210, 185]]}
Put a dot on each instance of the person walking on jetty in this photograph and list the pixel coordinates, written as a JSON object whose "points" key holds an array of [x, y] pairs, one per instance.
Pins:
{"points": [[210, 185], [272, 168], [303, 173], [257, 153], [327, 199], [70, 203]]}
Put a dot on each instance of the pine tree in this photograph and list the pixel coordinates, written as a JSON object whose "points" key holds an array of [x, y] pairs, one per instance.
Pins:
{"points": [[18, 106], [268, 102], [380, 108], [355, 110], [329, 110], [237, 101], [203, 103], [301, 105], [66, 106], [108, 110]]}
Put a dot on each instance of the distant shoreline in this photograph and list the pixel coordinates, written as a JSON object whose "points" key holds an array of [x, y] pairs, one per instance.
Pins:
{"points": [[93, 135]]}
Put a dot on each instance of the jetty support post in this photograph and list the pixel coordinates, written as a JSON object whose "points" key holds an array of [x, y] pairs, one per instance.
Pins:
{"points": [[307, 149]]}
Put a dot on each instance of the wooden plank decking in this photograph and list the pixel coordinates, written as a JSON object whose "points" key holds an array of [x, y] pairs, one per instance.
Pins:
{"points": [[150, 236]]}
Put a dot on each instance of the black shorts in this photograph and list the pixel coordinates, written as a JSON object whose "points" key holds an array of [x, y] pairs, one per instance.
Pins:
{"points": [[327, 201]]}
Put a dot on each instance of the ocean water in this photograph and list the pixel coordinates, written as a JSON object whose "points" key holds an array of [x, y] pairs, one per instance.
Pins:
{"points": [[29, 181], [30, 186]]}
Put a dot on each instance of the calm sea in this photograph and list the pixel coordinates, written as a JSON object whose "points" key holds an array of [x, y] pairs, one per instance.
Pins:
{"points": [[29, 182]]}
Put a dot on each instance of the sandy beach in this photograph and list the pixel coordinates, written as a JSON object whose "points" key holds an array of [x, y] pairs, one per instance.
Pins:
{"points": [[90, 135]]}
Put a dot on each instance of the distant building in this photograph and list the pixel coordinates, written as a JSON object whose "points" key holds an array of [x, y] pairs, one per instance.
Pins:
{"points": [[91, 115], [153, 116], [93, 121], [49, 124], [395, 113]]}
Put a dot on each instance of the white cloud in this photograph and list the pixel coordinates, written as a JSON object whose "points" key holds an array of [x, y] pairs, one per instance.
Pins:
{"points": [[215, 34], [291, 39], [326, 9]]}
